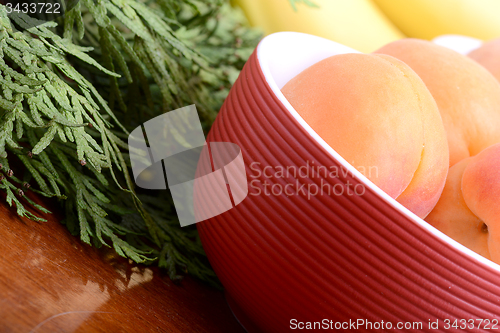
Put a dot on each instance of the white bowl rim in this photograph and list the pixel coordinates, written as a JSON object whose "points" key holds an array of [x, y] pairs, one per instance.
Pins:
{"points": [[459, 43], [282, 56]]}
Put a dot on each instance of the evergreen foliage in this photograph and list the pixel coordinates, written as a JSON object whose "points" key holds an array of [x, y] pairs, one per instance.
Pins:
{"points": [[71, 90], [308, 3]]}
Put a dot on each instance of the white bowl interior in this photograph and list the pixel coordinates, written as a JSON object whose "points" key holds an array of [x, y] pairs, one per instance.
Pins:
{"points": [[282, 56], [462, 44]]}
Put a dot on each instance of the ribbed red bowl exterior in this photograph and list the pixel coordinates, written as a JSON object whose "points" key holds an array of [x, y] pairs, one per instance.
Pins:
{"points": [[332, 257]]}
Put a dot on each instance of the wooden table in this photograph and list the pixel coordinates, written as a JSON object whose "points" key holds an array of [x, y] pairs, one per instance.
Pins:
{"points": [[51, 282]]}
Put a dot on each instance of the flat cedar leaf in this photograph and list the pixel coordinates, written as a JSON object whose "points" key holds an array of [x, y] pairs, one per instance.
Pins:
{"points": [[135, 25], [99, 195], [38, 207], [6, 105], [72, 49], [85, 231], [34, 172], [294, 2], [24, 119], [60, 132], [162, 29], [117, 56], [69, 21], [48, 164], [127, 250], [45, 140], [41, 168], [80, 27], [98, 12], [124, 44], [22, 46], [19, 127], [17, 88]]}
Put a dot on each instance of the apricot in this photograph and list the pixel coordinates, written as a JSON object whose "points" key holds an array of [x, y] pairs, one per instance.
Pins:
{"points": [[481, 192], [467, 95], [468, 209], [453, 217], [378, 115], [488, 55]]}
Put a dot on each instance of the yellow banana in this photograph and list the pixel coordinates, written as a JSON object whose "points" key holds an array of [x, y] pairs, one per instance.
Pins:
{"points": [[358, 24], [427, 19]]}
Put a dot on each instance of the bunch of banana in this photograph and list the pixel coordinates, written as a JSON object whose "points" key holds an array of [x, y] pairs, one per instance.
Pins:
{"points": [[367, 25], [427, 19], [358, 24]]}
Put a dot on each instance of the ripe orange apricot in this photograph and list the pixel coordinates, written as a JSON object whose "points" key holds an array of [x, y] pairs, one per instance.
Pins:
{"points": [[377, 113], [481, 192], [488, 55], [468, 96], [453, 217], [468, 208]]}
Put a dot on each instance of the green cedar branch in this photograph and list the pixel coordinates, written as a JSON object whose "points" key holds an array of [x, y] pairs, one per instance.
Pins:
{"points": [[72, 90]]}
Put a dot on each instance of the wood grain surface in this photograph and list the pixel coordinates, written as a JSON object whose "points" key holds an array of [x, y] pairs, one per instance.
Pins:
{"points": [[50, 282]]}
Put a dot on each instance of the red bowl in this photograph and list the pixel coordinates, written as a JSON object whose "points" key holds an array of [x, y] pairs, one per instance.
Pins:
{"points": [[339, 259]]}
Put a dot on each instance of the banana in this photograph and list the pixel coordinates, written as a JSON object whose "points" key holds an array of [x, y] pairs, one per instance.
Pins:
{"points": [[358, 24], [427, 19]]}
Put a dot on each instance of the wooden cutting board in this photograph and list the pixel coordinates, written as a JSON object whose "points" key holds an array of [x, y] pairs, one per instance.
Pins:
{"points": [[51, 282]]}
